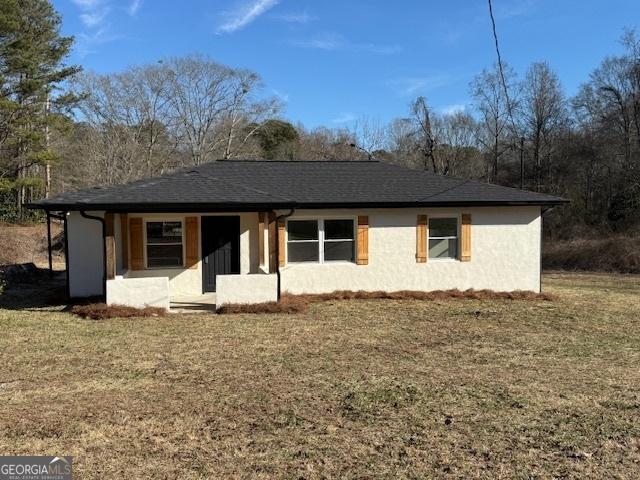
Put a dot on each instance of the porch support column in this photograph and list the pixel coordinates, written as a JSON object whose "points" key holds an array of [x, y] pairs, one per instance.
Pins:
{"points": [[110, 245]]}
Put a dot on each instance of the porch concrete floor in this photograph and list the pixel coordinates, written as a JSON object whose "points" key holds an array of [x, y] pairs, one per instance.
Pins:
{"points": [[193, 303]]}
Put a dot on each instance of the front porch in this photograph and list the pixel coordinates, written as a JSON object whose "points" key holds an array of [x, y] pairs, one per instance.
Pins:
{"points": [[190, 262]]}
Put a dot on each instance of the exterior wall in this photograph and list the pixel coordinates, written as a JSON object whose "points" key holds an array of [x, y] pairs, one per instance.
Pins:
{"points": [[86, 255], [246, 289], [188, 281], [139, 292], [505, 254]]}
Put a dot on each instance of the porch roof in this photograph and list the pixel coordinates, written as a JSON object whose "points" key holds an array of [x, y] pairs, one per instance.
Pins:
{"points": [[232, 185]]}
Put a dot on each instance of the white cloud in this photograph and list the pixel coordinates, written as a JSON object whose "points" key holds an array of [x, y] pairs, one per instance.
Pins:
{"points": [[94, 18], [301, 18], [408, 86], [88, 4], [88, 41], [245, 14], [134, 7], [93, 12], [344, 117], [335, 41], [453, 109]]}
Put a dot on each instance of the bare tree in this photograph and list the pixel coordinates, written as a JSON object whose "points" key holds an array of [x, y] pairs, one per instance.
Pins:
{"points": [[210, 105], [490, 100], [543, 114]]}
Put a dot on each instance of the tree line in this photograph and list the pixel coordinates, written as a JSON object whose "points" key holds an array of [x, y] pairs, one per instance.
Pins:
{"points": [[62, 129]]}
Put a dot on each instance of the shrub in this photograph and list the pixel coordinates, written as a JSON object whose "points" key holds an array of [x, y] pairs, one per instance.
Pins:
{"points": [[619, 254], [102, 311]]}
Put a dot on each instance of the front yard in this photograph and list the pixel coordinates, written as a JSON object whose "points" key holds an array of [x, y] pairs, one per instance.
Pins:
{"points": [[459, 388]]}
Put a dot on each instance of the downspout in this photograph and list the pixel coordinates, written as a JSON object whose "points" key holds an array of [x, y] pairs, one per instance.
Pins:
{"points": [[104, 248], [278, 218]]}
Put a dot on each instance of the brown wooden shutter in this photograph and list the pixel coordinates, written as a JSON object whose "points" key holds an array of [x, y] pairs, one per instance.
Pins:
{"points": [[422, 238], [124, 234], [465, 238], [136, 244], [363, 240], [110, 245], [191, 237], [261, 222], [273, 234], [281, 242]]}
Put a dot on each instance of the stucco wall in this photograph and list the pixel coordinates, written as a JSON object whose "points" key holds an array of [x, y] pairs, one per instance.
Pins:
{"points": [[139, 292], [256, 288], [188, 281], [505, 254], [86, 250]]}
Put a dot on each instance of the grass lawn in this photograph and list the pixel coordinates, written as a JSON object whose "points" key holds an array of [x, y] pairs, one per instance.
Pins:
{"points": [[365, 389]]}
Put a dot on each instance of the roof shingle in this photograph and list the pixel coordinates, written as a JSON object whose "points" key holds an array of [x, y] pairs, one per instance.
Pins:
{"points": [[249, 185]]}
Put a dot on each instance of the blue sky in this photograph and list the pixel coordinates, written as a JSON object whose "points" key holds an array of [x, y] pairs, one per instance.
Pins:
{"points": [[333, 61]]}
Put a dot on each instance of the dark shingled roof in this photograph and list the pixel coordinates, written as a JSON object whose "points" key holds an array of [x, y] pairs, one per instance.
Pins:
{"points": [[250, 185]]}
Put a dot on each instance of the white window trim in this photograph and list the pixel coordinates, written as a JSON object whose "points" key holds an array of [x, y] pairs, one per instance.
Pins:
{"points": [[457, 237], [321, 240], [146, 242]]}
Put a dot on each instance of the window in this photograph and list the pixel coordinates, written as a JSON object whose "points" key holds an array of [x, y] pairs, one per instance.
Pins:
{"points": [[164, 244], [443, 238], [303, 240], [338, 240], [320, 241]]}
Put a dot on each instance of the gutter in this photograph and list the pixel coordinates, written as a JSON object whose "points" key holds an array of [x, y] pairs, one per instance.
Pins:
{"points": [[104, 249], [278, 218]]}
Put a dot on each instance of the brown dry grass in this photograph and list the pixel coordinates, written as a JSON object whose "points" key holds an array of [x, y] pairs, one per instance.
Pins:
{"points": [[102, 311], [348, 389], [27, 243], [300, 303]]}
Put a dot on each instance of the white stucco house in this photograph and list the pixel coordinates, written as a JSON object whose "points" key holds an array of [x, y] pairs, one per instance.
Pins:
{"points": [[249, 230]]}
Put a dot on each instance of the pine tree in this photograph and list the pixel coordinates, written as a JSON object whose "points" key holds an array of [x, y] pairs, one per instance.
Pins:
{"points": [[32, 72]]}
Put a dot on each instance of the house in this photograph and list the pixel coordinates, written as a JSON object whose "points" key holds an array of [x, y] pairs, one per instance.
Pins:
{"points": [[248, 230]]}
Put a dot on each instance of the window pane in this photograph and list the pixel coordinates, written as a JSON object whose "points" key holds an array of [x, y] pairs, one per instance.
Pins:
{"points": [[338, 229], [303, 230], [443, 248], [164, 232], [303, 252], [338, 251], [443, 227], [164, 255]]}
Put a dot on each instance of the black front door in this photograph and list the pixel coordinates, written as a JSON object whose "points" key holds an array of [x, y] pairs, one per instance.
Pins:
{"points": [[220, 249]]}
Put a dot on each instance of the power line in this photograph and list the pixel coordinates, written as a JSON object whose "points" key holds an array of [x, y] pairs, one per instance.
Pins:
{"points": [[500, 67]]}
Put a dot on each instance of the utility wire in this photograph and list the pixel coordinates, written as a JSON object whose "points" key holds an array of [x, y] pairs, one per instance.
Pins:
{"points": [[501, 68]]}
